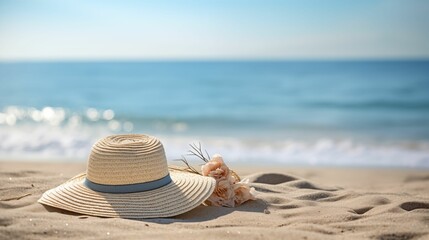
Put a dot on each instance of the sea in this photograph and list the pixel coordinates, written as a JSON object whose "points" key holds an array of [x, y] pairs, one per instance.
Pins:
{"points": [[302, 113]]}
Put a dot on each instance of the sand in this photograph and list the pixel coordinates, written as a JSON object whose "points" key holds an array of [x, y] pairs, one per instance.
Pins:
{"points": [[293, 203]]}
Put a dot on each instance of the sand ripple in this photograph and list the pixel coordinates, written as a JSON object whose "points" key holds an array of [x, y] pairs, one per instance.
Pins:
{"points": [[288, 207]]}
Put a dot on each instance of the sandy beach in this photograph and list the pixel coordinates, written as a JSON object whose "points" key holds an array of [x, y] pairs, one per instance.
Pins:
{"points": [[293, 203], [153, 119]]}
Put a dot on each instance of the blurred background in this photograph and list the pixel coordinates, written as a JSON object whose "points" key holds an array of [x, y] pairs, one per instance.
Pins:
{"points": [[335, 83]]}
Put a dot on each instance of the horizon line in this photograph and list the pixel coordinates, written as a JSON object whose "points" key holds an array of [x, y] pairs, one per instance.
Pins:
{"points": [[327, 59]]}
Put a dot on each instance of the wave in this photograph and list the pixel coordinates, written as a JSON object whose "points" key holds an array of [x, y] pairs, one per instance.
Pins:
{"points": [[376, 104], [61, 134], [62, 144]]}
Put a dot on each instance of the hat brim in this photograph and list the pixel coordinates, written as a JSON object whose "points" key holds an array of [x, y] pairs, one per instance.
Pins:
{"points": [[185, 192]]}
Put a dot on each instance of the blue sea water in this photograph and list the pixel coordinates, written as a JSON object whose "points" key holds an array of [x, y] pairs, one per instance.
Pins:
{"points": [[364, 113]]}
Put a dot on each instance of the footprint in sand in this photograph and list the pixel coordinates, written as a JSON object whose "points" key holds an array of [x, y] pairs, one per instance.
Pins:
{"points": [[410, 206], [271, 178]]}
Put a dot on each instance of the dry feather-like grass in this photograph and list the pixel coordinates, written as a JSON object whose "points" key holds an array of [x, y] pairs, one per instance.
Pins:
{"points": [[188, 167], [197, 151]]}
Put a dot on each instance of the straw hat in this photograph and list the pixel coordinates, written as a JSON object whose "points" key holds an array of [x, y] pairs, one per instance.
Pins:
{"points": [[127, 176]]}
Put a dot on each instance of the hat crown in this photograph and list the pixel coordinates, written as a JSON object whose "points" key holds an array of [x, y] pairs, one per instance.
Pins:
{"points": [[127, 159]]}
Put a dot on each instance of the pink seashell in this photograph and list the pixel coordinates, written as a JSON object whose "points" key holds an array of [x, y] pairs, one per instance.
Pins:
{"points": [[242, 193], [216, 168], [228, 192]]}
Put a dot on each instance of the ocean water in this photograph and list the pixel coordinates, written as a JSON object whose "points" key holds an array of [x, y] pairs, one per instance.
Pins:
{"points": [[336, 113]]}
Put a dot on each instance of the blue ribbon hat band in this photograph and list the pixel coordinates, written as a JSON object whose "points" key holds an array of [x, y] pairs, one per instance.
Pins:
{"points": [[128, 188]]}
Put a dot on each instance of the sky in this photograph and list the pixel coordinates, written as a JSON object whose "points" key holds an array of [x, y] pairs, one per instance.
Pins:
{"points": [[218, 29]]}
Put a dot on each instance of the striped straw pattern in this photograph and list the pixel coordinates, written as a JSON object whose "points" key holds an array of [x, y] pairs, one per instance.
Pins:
{"points": [[127, 159], [130, 159]]}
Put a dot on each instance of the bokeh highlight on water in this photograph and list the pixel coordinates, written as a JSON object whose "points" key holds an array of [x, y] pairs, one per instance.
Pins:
{"points": [[364, 113]]}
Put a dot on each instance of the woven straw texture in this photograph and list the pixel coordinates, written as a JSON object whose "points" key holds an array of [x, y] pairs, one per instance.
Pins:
{"points": [[129, 159]]}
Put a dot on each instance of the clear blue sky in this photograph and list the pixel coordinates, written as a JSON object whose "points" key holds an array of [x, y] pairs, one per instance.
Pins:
{"points": [[219, 29]]}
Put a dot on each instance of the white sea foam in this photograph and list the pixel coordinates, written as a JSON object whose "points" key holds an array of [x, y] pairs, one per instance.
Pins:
{"points": [[316, 152], [59, 134], [62, 144]]}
